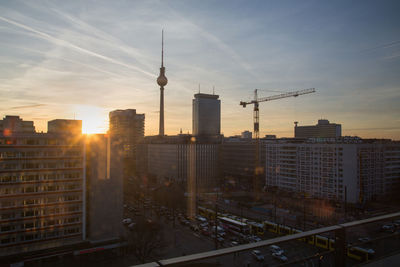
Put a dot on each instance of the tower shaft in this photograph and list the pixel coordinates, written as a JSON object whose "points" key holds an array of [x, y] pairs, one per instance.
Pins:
{"points": [[161, 129]]}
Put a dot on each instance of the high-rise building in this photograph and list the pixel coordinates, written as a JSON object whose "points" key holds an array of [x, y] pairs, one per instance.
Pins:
{"points": [[323, 129], [42, 187], [126, 131], [104, 204], [206, 115]]}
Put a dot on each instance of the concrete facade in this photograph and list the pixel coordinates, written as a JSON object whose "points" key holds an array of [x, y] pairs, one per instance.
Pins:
{"points": [[325, 170]]}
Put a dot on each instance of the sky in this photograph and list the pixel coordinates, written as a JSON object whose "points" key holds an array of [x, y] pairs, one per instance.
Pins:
{"points": [[83, 59]]}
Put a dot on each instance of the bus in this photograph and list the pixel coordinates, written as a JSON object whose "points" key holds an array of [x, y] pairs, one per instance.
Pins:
{"points": [[234, 226], [207, 213], [270, 226], [360, 254]]}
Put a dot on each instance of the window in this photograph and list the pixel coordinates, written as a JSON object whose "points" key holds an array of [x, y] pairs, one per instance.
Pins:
{"points": [[7, 228]]}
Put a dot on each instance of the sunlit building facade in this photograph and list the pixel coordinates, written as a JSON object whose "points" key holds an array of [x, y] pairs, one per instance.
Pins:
{"points": [[42, 185]]}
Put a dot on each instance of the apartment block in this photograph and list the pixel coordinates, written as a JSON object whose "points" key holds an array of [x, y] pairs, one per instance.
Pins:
{"points": [[42, 185], [361, 169]]}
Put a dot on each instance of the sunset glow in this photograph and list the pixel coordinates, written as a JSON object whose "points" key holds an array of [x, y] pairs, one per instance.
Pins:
{"points": [[94, 119]]}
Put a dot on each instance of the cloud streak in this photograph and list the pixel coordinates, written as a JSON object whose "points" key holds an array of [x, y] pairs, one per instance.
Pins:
{"points": [[28, 106], [67, 44]]}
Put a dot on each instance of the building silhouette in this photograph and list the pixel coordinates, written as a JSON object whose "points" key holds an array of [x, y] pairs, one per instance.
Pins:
{"points": [[323, 129], [104, 193], [206, 115], [126, 131], [12, 124]]}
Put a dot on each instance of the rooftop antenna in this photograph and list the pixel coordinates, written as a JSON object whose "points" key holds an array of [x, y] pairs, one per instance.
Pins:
{"points": [[199, 88], [213, 90]]}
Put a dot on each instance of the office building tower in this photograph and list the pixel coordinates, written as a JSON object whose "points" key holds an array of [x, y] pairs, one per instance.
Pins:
{"points": [[323, 129], [104, 204], [42, 181], [126, 131], [206, 115]]}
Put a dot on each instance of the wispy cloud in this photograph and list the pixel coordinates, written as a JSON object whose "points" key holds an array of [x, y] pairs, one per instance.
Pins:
{"points": [[222, 46], [28, 106], [70, 45], [382, 46]]}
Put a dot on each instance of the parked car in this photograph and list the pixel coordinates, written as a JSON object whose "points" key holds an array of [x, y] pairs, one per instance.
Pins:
{"points": [[280, 256], [127, 221], [201, 219], [205, 232], [388, 228], [194, 227], [276, 249], [204, 224], [364, 239], [131, 226], [234, 243], [257, 255]]}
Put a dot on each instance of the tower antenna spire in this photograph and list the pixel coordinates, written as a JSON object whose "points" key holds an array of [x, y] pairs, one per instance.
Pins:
{"points": [[162, 48]]}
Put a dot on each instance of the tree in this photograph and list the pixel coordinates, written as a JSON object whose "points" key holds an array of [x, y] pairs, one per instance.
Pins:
{"points": [[145, 238]]}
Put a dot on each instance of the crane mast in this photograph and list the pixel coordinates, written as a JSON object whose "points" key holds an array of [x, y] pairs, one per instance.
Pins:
{"points": [[258, 169]]}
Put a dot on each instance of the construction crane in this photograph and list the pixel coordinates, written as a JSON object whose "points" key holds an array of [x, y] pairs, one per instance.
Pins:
{"points": [[258, 170]]}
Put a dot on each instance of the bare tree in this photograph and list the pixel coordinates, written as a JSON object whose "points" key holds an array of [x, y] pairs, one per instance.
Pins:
{"points": [[145, 238]]}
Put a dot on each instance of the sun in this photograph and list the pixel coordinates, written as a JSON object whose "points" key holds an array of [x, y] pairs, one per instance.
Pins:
{"points": [[94, 119]]}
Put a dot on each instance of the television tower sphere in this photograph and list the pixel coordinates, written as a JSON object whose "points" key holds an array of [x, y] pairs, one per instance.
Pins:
{"points": [[162, 80]]}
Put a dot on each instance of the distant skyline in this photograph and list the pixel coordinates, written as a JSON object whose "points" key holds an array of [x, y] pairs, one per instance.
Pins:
{"points": [[83, 59]]}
